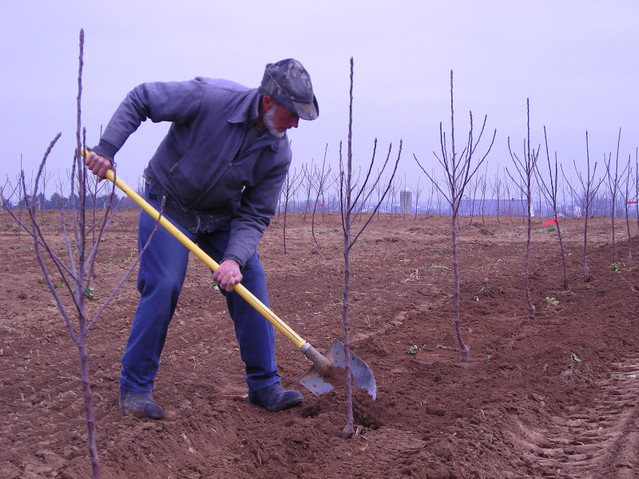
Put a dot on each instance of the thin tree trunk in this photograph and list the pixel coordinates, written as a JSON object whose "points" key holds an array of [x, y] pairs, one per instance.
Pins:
{"points": [[531, 306], [564, 283], [465, 349], [348, 430], [88, 403], [586, 268]]}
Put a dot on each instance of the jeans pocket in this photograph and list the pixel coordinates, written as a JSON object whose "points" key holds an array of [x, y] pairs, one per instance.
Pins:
{"points": [[150, 192]]}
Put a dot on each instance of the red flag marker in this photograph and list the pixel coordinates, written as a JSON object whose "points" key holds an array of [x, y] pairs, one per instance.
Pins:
{"points": [[549, 222], [632, 202]]}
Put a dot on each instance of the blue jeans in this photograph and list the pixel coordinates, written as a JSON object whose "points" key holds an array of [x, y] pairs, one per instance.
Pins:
{"points": [[160, 279]]}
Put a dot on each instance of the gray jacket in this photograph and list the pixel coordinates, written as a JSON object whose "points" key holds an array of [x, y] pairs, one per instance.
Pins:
{"points": [[202, 162]]}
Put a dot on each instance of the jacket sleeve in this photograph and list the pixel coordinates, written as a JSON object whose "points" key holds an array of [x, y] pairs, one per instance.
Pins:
{"points": [[158, 101], [257, 207]]}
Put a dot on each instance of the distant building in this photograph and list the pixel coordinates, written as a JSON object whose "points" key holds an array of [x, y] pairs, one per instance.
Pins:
{"points": [[405, 202]]}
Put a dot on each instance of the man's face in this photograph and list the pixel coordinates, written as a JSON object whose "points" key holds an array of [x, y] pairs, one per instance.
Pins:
{"points": [[278, 119]]}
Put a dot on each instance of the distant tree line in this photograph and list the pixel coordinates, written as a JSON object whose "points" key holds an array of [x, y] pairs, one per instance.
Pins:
{"points": [[601, 205], [57, 202]]}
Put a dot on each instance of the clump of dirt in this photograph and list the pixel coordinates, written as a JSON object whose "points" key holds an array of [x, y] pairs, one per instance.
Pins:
{"points": [[333, 375], [366, 411]]}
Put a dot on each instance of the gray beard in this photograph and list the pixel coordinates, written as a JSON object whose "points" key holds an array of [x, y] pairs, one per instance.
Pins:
{"points": [[268, 123]]}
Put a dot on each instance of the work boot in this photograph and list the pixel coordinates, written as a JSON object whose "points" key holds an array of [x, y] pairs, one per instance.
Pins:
{"points": [[275, 398], [140, 404]]}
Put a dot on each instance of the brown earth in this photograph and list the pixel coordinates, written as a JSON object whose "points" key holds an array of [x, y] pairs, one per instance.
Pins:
{"points": [[553, 396]]}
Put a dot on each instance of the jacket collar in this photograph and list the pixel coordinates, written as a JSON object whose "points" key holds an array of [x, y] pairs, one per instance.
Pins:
{"points": [[248, 109]]}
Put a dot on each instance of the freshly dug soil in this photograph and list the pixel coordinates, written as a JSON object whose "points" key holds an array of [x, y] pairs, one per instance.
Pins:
{"points": [[549, 396]]}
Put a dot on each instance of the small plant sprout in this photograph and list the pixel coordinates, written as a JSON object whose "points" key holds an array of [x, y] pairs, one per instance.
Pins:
{"points": [[435, 266], [413, 349], [414, 276], [551, 300], [441, 346], [614, 267]]}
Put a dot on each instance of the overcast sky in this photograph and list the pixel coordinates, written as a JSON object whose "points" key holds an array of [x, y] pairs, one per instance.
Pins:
{"points": [[576, 60]]}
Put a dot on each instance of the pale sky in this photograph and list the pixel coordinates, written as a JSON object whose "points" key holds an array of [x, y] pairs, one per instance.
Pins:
{"points": [[576, 60]]}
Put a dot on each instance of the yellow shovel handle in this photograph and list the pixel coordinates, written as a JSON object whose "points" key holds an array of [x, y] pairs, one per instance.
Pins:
{"points": [[207, 260]]}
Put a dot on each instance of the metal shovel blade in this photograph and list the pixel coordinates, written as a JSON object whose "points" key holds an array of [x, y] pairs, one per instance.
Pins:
{"points": [[362, 375]]}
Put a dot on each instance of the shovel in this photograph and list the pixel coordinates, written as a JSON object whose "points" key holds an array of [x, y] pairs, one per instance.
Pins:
{"points": [[323, 369]]}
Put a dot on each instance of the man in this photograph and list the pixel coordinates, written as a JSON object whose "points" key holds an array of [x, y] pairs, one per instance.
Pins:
{"points": [[220, 169]]}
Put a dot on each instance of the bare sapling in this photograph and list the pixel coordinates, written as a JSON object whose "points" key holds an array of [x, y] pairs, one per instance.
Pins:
{"points": [[497, 187], [473, 186], [459, 170], [7, 192], [541, 208], [22, 197], [483, 187], [550, 189], [627, 203], [290, 187], [612, 179], [306, 183], [589, 188], [379, 189], [525, 169], [431, 197], [321, 183], [390, 198], [77, 271], [508, 210], [352, 199], [61, 185], [418, 193], [42, 198]]}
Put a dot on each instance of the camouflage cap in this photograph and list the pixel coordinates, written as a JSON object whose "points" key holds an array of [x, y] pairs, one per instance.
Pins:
{"points": [[289, 84]]}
